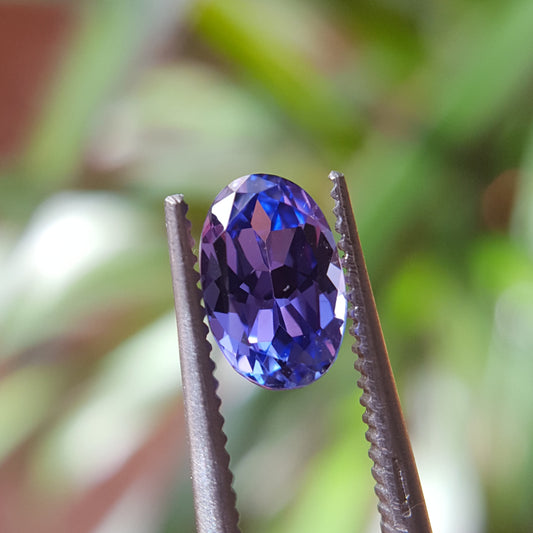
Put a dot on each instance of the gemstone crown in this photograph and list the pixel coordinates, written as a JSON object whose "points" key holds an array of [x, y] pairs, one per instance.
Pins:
{"points": [[272, 282]]}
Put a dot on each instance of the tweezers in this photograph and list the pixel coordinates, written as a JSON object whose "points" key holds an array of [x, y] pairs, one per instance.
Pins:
{"points": [[400, 498]]}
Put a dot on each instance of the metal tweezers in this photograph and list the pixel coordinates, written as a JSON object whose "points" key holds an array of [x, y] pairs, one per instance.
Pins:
{"points": [[401, 501]]}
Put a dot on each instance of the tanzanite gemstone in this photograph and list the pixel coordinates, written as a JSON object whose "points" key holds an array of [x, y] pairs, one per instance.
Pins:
{"points": [[272, 282]]}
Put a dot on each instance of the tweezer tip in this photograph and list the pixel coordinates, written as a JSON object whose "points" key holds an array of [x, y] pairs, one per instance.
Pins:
{"points": [[174, 199], [334, 175]]}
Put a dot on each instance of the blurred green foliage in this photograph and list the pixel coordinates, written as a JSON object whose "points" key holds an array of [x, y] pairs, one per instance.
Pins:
{"points": [[426, 108]]}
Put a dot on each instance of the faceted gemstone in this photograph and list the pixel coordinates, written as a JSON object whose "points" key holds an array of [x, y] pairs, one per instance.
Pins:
{"points": [[272, 282]]}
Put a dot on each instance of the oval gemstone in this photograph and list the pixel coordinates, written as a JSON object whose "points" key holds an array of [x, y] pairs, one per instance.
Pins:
{"points": [[272, 282]]}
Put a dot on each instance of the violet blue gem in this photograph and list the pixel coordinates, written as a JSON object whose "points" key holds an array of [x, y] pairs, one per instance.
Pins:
{"points": [[272, 282]]}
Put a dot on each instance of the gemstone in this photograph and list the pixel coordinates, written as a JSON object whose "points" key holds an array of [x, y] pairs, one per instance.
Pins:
{"points": [[272, 282]]}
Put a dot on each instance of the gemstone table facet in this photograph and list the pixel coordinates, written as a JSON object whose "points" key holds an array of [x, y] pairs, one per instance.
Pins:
{"points": [[272, 282]]}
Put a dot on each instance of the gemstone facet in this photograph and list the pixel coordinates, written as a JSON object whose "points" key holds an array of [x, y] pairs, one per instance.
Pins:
{"points": [[272, 282]]}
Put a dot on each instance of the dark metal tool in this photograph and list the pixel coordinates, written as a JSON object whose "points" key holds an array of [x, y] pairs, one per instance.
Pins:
{"points": [[214, 499], [401, 501]]}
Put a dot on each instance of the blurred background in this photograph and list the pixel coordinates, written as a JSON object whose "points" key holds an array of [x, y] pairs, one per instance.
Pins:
{"points": [[106, 107]]}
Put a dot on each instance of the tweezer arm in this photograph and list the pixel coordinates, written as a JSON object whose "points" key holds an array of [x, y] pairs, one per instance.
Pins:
{"points": [[401, 501], [214, 499]]}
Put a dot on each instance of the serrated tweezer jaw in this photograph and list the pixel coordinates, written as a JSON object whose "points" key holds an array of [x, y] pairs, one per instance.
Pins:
{"points": [[214, 499], [401, 500]]}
